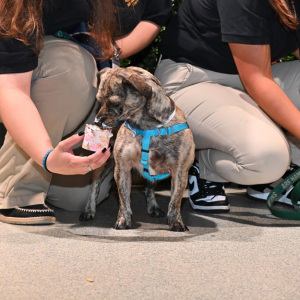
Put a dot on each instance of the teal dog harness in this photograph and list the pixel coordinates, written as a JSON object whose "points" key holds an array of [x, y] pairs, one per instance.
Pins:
{"points": [[147, 134]]}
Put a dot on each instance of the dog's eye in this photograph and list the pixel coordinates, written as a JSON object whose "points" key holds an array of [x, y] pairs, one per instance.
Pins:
{"points": [[117, 108]]}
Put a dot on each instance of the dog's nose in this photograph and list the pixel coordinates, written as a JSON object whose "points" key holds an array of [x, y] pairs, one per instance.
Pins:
{"points": [[99, 120]]}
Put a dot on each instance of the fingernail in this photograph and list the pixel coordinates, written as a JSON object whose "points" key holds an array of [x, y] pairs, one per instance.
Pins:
{"points": [[111, 148], [104, 150], [81, 133]]}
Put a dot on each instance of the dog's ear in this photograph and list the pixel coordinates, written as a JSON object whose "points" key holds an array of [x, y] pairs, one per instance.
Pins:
{"points": [[139, 85], [100, 73]]}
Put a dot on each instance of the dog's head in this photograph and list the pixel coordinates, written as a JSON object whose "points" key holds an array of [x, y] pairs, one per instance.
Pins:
{"points": [[128, 94]]}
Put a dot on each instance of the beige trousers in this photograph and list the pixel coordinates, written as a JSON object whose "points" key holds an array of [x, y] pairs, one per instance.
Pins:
{"points": [[236, 141], [63, 89]]}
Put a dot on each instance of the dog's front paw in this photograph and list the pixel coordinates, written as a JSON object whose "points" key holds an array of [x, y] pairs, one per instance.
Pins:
{"points": [[177, 226], [122, 223], [87, 215]]}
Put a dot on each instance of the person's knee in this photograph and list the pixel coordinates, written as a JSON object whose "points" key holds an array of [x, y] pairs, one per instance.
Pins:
{"points": [[64, 86], [268, 164], [261, 161], [72, 65]]}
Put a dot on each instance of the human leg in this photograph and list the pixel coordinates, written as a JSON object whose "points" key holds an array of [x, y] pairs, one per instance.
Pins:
{"points": [[237, 142], [63, 89], [71, 192]]}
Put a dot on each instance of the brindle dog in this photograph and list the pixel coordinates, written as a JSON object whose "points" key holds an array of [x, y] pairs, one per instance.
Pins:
{"points": [[137, 97]]}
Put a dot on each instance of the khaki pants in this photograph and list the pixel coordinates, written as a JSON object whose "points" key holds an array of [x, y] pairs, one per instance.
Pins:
{"points": [[63, 89], [236, 141]]}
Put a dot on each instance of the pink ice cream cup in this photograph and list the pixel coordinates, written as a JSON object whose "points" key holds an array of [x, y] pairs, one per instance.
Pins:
{"points": [[95, 138]]}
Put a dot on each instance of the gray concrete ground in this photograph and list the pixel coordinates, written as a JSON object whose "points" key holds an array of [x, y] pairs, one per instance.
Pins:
{"points": [[244, 254]]}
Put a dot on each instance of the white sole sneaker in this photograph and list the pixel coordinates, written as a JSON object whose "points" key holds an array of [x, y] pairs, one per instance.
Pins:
{"points": [[204, 195], [263, 195]]}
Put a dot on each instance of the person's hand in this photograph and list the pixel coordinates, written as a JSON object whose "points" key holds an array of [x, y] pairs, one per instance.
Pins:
{"points": [[63, 161]]}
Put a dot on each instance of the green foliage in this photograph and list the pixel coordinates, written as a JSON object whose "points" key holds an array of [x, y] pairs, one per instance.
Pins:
{"points": [[288, 58], [148, 58]]}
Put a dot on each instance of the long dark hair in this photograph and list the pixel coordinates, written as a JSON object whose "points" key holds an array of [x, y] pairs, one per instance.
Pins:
{"points": [[103, 25], [286, 12], [22, 20]]}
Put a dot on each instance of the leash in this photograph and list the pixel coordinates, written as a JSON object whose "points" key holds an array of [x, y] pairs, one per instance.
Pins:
{"points": [[81, 37], [147, 134], [292, 179]]}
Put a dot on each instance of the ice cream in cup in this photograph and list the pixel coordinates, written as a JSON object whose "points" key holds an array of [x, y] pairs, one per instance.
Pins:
{"points": [[96, 138]]}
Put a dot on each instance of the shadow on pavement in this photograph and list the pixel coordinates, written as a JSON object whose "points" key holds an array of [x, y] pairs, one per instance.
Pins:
{"points": [[243, 221]]}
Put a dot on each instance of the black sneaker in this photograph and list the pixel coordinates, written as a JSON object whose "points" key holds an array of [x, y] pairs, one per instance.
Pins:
{"points": [[206, 195], [30, 215], [262, 191]]}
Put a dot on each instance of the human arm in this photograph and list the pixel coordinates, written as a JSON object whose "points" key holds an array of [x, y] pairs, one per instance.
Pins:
{"points": [[140, 23], [23, 121], [254, 67], [138, 39]]}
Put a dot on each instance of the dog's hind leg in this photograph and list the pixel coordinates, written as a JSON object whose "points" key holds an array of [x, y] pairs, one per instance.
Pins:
{"points": [[153, 208], [178, 185], [90, 208], [123, 181]]}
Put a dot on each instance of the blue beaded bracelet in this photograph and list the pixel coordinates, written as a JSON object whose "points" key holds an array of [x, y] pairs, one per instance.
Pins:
{"points": [[45, 160]]}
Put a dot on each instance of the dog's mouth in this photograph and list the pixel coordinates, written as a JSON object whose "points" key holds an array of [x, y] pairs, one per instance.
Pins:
{"points": [[100, 123]]}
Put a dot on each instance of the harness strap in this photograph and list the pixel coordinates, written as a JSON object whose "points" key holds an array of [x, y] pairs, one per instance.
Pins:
{"points": [[147, 134]]}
